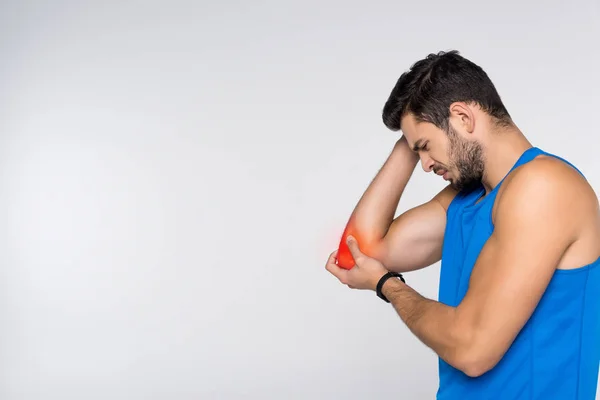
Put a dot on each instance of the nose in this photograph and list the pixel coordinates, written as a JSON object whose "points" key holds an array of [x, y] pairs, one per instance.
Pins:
{"points": [[427, 163]]}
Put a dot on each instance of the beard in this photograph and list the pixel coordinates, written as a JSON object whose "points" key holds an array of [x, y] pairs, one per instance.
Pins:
{"points": [[467, 158]]}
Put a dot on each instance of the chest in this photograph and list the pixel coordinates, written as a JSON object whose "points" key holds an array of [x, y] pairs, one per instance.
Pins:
{"points": [[467, 230]]}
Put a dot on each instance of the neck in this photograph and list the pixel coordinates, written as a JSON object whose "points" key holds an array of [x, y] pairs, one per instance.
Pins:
{"points": [[502, 152]]}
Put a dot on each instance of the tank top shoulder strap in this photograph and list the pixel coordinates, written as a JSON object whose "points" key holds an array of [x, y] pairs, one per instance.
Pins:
{"points": [[469, 198], [566, 162], [532, 153], [527, 156]]}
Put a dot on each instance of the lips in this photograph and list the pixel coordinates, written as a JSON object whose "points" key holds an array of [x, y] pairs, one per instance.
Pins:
{"points": [[442, 172]]}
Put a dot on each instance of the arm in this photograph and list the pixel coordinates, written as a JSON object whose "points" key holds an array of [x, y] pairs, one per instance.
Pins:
{"points": [[411, 241], [415, 238], [534, 226]]}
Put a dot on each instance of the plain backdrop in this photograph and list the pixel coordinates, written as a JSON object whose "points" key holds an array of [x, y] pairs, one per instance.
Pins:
{"points": [[174, 174]]}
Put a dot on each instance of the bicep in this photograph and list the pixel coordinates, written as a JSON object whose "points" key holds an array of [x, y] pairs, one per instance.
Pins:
{"points": [[414, 239]]}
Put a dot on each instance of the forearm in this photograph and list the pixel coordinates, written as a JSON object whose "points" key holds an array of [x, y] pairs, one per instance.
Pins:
{"points": [[435, 324], [375, 210]]}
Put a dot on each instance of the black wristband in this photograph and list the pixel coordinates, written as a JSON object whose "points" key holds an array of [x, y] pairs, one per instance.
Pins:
{"points": [[382, 281]]}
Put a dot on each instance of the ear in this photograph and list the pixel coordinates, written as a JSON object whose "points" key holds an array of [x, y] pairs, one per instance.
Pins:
{"points": [[463, 117]]}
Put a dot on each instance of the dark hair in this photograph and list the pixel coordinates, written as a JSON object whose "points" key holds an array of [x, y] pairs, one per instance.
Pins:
{"points": [[432, 84]]}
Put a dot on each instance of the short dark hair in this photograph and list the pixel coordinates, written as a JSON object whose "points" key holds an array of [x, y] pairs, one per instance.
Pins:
{"points": [[432, 84]]}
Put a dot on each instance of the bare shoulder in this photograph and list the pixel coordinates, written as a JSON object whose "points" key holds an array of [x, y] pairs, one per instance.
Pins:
{"points": [[445, 197], [547, 186]]}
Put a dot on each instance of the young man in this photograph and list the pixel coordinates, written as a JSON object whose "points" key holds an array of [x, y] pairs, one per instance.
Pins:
{"points": [[517, 231]]}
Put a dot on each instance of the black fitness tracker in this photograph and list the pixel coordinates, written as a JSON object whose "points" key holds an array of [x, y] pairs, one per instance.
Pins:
{"points": [[382, 281]]}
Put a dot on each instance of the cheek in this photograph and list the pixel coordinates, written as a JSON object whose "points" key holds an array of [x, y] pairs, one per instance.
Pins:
{"points": [[441, 152], [439, 158]]}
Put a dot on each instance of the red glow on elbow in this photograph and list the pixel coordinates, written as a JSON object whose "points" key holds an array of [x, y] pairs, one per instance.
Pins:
{"points": [[344, 257]]}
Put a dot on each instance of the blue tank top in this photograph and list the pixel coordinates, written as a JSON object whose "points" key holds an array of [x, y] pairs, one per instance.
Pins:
{"points": [[557, 353]]}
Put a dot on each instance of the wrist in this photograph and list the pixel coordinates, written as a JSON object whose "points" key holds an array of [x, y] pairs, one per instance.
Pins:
{"points": [[390, 286], [387, 284], [403, 148]]}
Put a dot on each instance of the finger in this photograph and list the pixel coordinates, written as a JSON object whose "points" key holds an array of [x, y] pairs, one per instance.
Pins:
{"points": [[332, 257], [353, 247], [335, 270]]}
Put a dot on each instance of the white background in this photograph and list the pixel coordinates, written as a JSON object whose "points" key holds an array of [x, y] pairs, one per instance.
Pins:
{"points": [[173, 176]]}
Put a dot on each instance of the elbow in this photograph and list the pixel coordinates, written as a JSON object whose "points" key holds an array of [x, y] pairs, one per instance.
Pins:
{"points": [[474, 367], [478, 357]]}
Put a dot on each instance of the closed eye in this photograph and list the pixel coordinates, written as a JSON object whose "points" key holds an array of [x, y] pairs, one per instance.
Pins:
{"points": [[421, 145]]}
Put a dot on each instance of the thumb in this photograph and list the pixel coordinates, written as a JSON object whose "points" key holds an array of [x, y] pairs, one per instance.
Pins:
{"points": [[353, 247]]}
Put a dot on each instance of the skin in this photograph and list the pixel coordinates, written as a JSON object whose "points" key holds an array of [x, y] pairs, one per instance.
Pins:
{"points": [[546, 217]]}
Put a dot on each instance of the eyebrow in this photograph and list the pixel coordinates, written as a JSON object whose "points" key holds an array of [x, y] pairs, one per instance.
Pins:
{"points": [[417, 145]]}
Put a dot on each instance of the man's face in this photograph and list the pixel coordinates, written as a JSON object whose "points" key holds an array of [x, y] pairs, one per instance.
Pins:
{"points": [[457, 159]]}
